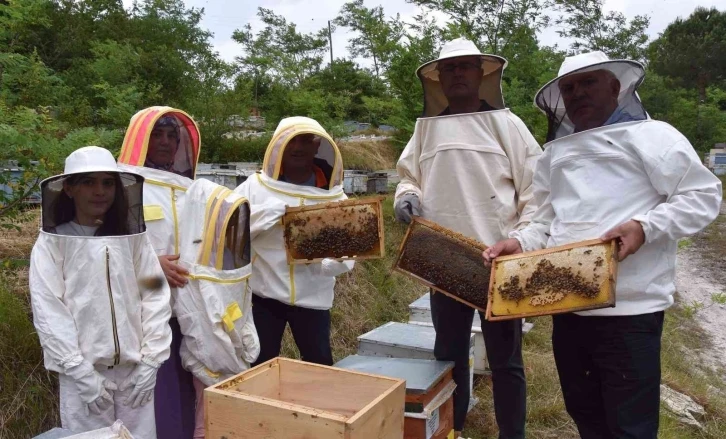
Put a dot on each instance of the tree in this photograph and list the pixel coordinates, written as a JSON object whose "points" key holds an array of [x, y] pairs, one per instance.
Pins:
{"points": [[693, 51], [280, 50], [491, 24], [593, 29], [377, 38]]}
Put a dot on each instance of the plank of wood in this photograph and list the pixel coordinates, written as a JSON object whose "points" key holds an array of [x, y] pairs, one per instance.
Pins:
{"points": [[382, 418], [239, 416], [330, 389], [264, 382], [333, 204]]}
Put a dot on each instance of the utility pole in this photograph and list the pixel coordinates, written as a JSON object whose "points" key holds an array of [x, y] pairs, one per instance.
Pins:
{"points": [[330, 37]]}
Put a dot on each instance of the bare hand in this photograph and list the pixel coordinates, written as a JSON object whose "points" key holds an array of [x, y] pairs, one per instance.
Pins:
{"points": [[502, 248], [175, 274], [629, 236]]}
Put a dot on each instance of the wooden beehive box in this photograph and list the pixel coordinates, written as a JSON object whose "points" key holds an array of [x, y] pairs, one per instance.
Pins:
{"points": [[574, 277], [429, 391], [343, 230], [446, 261], [289, 399]]}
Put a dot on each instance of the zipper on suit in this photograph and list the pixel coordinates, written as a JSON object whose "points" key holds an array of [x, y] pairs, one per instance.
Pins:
{"points": [[176, 221], [117, 349]]}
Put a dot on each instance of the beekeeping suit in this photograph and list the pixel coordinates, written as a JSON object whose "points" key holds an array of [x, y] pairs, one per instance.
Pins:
{"points": [[101, 321], [214, 308], [306, 285], [164, 195], [633, 167], [164, 190], [470, 172]]}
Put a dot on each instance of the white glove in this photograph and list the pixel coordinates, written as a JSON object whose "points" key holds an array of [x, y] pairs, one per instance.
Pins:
{"points": [[331, 267], [200, 372], [92, 387], [250, 341], [407, 206], [143, 379]]}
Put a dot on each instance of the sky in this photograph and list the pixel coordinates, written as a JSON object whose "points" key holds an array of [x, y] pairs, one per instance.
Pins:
{"points": [[222, 17]]}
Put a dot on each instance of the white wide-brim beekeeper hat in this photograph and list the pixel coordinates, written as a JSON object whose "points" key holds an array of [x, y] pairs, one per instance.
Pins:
{"points": [[86, 160], [490, 89], [629, 73]]}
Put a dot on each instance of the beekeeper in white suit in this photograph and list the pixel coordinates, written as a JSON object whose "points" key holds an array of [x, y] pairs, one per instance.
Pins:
{"points": [[609, 171], [163, 145], [302, 166], [214, 308], [469, 167], [100, 305]]}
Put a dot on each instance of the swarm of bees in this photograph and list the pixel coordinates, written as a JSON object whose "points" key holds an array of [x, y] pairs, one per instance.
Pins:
{"points": [[344, 232], [551, 281], [450, 265]]}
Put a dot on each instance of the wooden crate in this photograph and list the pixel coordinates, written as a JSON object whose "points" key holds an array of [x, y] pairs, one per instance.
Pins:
{"points": [[344, 230], [445, 261], [289, 399], [574, 277], [429, 391]]}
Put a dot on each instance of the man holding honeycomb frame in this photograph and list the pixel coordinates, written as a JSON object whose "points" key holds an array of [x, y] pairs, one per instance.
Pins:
{"points": [[610, 171], [468, 167]]}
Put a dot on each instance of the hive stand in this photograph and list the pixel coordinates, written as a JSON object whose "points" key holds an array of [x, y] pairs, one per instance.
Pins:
{"points": [[420, 314], [405, 340]]}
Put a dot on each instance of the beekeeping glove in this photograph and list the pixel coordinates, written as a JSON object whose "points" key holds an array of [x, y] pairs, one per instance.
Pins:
{"points": [[92, 387], [332, 268], [407, 206], [203, 375], [250, 341], [143, 379]]}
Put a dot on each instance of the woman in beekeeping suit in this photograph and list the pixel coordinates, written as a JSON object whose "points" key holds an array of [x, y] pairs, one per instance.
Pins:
{"points": [[163, 144], [468, 167], [214, 307], [610, 171], [302, 166], [100, 305]]}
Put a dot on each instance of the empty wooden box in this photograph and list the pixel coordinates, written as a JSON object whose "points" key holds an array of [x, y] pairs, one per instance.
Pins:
{"points": [[574, 277], [289, 399], [343, 230], [429, 391], [446, 261]]}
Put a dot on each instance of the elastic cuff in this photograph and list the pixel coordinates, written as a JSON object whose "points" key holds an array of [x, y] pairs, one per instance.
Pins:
{"points": [[647, 230], [518, 237], [79, 370]]}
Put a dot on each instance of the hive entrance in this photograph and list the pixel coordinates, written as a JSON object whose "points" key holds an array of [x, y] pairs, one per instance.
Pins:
{"points": [[446, 261]]}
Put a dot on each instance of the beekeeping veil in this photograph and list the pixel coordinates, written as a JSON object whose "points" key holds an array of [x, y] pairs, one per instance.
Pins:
{"points": [[214, 308], [328, 157], [490, 89], [629, 73], [58, 208], [136, 141]]}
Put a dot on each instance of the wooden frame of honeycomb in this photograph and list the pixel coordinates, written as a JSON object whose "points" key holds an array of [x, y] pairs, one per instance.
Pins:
{"points": [[333, 230], [575, 277], [445, 261]]}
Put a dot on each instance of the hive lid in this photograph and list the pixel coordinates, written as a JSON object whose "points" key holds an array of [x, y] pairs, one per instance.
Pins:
{"points": [[421, 375]]}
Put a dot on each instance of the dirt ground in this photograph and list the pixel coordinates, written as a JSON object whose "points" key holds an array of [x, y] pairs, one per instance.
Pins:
{"points": [[701, 272]]}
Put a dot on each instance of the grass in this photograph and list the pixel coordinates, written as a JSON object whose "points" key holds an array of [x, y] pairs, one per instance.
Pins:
{"points": [[365, 299], [368, 155]]}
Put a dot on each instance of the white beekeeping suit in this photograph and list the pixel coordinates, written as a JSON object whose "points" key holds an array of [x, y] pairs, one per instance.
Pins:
{"points": [[100, 306], [214, 308], [304, 285], [633, 167]]}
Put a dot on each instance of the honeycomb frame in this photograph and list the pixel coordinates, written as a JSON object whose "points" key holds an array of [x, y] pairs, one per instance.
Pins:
{"points": [[450, 235], [343, 216], [565, 285]]}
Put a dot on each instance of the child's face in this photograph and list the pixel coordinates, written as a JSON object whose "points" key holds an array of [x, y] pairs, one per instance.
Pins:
{"points": [[93, 194]]}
